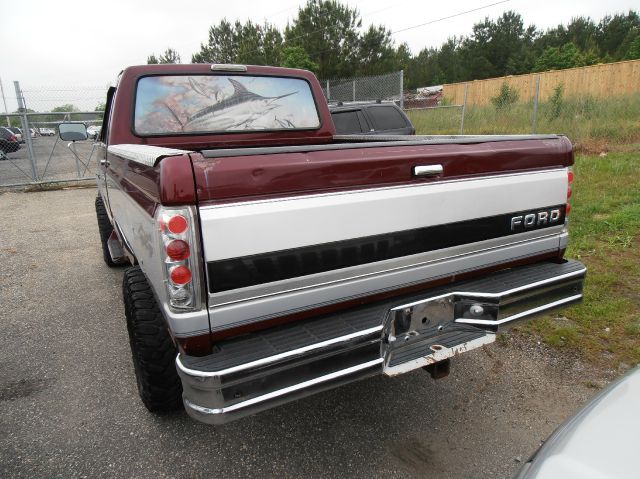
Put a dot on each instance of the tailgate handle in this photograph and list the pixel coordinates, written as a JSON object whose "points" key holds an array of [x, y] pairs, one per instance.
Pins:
{"points": [[427, 170]]}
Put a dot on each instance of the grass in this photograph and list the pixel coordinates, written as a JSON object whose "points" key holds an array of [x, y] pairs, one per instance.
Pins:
{"points": [[593, 125], [604, 222], [605, 235]]}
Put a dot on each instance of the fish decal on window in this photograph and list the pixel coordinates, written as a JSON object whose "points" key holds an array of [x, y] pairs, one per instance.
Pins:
{"points": [[240, 110], [195, 104]]}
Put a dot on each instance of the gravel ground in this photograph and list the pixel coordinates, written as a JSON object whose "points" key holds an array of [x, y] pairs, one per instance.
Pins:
{"points": [[69, 405]]}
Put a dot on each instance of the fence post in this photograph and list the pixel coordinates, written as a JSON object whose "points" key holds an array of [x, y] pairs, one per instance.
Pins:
{"points": [[328, 91], [464, 108], [402, 89], [354, 90], [4, 100], [25, 129], [535, 106]]}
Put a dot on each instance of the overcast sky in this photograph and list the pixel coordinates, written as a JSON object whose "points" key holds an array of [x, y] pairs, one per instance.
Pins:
{"points": [[52, 47]]}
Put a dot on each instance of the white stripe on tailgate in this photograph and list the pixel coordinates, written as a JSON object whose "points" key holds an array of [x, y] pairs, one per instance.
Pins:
{"points": [[242, 229]]}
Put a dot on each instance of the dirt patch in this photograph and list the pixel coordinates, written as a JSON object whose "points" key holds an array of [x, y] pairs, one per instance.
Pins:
{"points": [[22, 388]]}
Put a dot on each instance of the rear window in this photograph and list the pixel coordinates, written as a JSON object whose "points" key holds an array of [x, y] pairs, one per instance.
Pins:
{"points": [[386, 118], [222, 103], [347, 122]]}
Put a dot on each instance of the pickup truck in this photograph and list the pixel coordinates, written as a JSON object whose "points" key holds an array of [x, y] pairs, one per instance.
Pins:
{"points": [[270, 258]]}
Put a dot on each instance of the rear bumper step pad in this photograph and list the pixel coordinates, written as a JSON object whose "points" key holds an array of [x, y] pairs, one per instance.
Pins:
{"points": [[266, 368]]}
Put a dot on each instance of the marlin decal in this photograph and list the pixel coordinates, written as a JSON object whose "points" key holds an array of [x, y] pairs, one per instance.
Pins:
{"points": [[237, 111]]}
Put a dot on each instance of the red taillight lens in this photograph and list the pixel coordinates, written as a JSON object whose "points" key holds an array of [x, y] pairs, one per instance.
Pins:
{"points": [[13, 138], [177, 224], [569, 192], [178, 250], [180, 275]]}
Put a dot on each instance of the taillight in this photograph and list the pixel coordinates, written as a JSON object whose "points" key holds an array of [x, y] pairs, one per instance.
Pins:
{"points": [[180, 275], [178, 250], [177, 224], [13, 138], [569, 192], [178, 240]]}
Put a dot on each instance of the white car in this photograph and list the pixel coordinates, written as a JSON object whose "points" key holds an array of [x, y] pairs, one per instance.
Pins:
{"points": [[599, 442], [93, 131], [47, 132]]}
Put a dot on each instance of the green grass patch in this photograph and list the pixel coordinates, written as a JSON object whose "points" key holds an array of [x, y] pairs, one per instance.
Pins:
{"points": [[605, 235], [593, 125]]}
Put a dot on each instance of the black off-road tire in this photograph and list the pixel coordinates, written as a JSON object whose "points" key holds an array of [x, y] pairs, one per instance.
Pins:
{"points": [[152, 349], [105, 228]]}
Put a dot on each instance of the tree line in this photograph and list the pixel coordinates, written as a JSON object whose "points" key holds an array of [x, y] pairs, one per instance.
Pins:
{"points": [[328, 38]]}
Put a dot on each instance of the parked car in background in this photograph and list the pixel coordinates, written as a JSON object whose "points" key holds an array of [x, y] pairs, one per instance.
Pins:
{"points": [[8, 141], [16, 131], [47, 132], [370, 119], [600, 441], [93, 131]]}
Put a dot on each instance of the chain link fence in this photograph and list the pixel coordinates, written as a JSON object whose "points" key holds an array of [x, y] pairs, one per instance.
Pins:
{"points": [[41, 157], [387, 87], [592, 122]]}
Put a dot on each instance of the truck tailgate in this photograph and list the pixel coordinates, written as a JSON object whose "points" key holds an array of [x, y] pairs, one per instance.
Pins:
{"points": [[286, 232]]}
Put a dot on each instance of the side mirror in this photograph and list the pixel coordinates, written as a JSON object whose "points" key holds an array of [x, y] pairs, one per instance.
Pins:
{"points": [[73, 131]]}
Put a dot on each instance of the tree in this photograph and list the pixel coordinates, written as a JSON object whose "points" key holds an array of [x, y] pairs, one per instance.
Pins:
{"points": [[296, 57], [634, 50], [500, 47], [100, 106], [169, 56], [328, 32], [554, 58], [376, 52], [615, 34], [64, 108], [247, 43]]}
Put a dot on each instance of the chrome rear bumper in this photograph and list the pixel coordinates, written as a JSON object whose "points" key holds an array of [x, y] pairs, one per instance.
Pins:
{"points": [[264, 369]]}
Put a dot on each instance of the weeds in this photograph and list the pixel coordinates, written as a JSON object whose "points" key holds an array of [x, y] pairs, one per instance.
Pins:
{"points": [[507, 97], [556, 103], [593, 125]]}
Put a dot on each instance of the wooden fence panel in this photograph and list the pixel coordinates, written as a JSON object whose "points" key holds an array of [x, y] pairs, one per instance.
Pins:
{"points": [[601, 81]]}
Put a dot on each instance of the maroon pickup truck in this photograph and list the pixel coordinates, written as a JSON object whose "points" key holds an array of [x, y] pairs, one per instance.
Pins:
{"points": [[270, 258]]}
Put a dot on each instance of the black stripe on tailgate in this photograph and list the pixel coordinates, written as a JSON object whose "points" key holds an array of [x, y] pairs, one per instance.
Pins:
{"points": [[234, 273]]}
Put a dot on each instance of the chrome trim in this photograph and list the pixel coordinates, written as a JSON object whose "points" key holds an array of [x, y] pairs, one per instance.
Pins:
{"points": [[496, 295], [375, 189], [144, 154], [523, 314], [284, 391], [277, 357], [427, 170]]}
